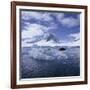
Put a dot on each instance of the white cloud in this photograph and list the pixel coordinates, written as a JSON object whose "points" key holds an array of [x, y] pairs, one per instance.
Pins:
{"points": [[29, 14], [26, 15], [59, 16], [75, 36], [33, 30], [47, 16], [67, 21]]}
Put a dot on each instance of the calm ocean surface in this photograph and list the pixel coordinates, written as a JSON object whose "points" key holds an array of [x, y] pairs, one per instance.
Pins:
{"points": [[37, 64]]}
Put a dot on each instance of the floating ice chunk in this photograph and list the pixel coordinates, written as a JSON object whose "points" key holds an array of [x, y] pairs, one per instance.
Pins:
{"points": [[46, 53]]}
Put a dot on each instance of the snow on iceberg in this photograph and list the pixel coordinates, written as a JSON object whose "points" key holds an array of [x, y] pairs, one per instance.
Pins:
{"points": [[48, 40], [46, 54], [51, 43]]}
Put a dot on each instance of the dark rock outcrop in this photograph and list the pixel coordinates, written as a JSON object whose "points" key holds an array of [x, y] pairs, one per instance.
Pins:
{"points": [[62, 49]]}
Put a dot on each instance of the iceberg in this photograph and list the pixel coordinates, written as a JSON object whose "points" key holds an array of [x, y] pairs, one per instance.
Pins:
{"points": [[46, 53], [49, 39]]}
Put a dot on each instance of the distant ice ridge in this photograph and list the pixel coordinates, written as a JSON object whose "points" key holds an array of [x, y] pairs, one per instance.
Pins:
{"points": [[48, 39], [51, 43]]}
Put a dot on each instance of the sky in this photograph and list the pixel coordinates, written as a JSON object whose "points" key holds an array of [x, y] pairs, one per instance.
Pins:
{"points": [[64, 25]]}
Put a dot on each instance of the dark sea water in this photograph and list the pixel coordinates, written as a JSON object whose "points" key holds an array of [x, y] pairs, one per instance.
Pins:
{"points": [[40, 62]]}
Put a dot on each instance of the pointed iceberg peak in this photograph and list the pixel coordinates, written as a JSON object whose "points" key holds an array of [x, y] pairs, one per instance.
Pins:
{"points": [[51, 37]]}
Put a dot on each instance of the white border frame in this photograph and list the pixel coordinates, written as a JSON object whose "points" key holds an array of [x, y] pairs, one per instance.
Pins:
{"points": [[54, 79]]}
